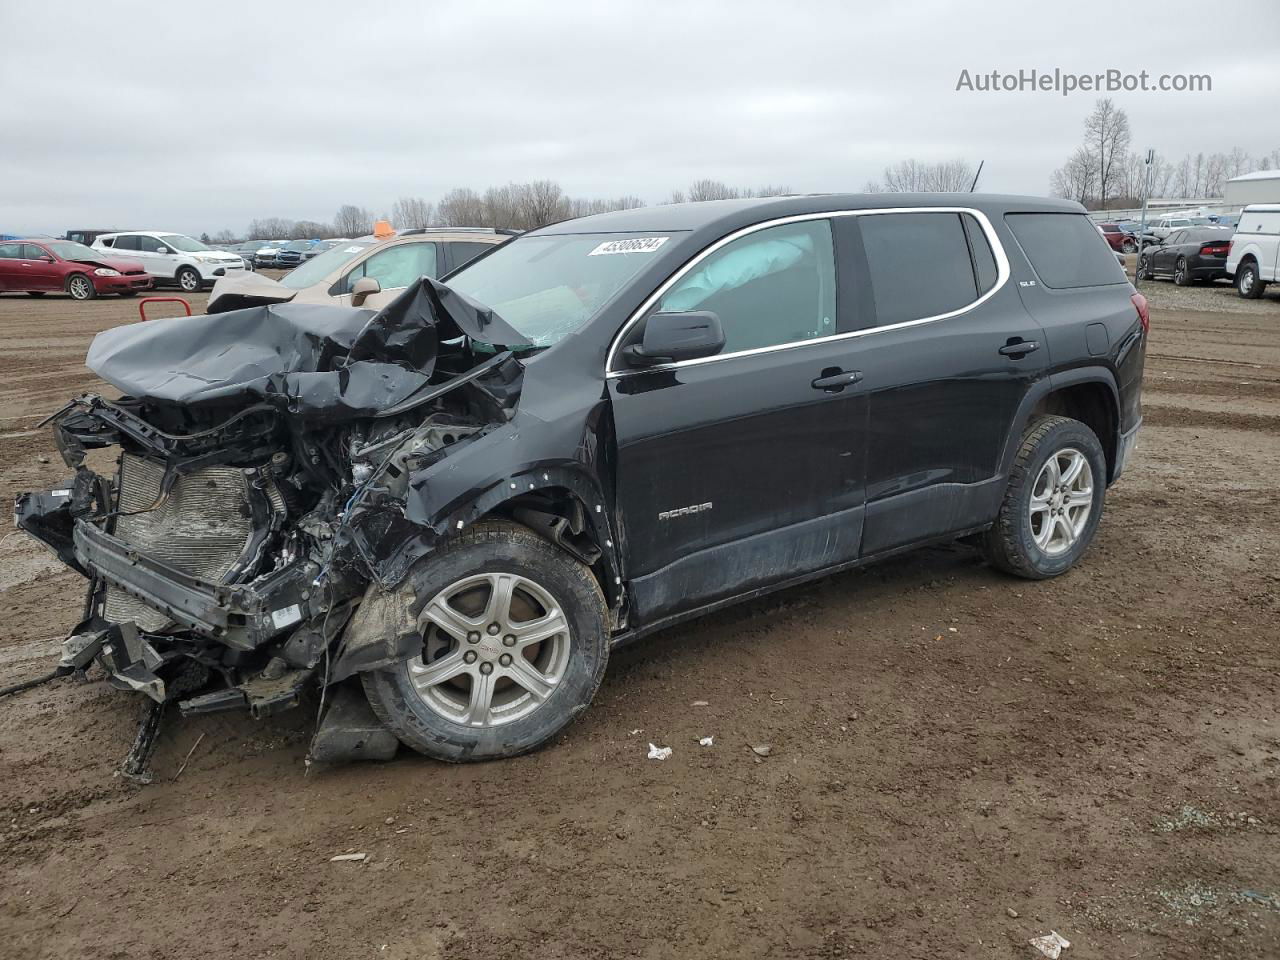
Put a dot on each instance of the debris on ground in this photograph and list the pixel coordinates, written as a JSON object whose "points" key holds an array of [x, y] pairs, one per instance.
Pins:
{"points": [[659, 753], [706, 741], [349, 858], [1051, 944], [762, 750]]}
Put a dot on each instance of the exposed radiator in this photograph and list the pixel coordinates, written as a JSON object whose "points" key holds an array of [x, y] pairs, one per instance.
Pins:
{"points": [[203, 528]]}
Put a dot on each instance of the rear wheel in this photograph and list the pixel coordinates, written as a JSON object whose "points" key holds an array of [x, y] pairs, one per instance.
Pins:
{"points": [[1182, 275], [1248, 283], [80, 287], [188, 279], [1128, 245], [515, 639], [1053, 502]]}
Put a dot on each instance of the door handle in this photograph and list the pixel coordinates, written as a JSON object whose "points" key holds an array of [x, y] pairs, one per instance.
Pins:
{"points": [[833, 379], [1017, 348]]}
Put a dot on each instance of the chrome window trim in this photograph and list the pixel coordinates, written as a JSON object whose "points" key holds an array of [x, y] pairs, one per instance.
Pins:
{"points": [[997, 250]]}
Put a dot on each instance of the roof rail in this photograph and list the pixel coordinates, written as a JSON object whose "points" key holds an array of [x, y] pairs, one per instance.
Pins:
{"points": [[506, 231]]}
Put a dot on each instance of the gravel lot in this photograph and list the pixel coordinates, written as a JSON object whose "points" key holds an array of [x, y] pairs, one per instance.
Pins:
{"points": [[959, 761]]}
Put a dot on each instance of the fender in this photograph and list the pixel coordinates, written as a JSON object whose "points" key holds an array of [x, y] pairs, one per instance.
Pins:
{"points": [[1041, 389]]}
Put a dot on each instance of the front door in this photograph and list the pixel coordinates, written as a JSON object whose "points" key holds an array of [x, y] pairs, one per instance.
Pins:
{"points": [[741, 470], [395, 268]]}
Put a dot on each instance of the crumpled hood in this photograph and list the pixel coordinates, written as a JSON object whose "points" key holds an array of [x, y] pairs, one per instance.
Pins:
{"points": [[315, 362], [118, 264], [241, 290]]}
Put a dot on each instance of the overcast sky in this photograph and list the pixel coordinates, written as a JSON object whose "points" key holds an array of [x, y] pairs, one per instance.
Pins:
{"points": [[202, 116]]}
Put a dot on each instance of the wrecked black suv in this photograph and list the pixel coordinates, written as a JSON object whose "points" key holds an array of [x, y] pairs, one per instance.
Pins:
{"points": [[461, 502]]}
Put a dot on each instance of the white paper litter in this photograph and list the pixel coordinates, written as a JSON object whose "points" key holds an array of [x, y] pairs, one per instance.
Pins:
{"points": [[706, 741], [348, 857], [659, 753], [1051, 944]]}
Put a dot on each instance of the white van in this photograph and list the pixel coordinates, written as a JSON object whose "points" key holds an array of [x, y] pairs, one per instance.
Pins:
{"points": [[173, 257], [1254, 258]]}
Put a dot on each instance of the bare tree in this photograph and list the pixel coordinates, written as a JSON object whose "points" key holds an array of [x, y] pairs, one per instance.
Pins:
{"points": [[412, 212], [1106, 135], [461, 207], [701, 190], [915, 176], [771, 190], [540, 203], [271, 228], [352, 221], [1077, 179]]}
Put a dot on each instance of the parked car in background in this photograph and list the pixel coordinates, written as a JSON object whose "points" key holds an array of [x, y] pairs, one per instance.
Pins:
{"points": [[1188, 255], [246, 250], [86, 236], [265, 255], [1115, 237], [366, 272], [290, 255], [173, 257], [1254, 260], [38, 267], [1166, 225], [320, 247]]}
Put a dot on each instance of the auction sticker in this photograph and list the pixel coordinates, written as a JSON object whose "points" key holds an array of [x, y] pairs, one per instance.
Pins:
{"points": [[630, 245]]}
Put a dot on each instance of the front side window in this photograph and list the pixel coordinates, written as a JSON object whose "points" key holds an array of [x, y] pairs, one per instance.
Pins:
{"points": [[324, 264], [31, 252], [396, 267], [176, 241], [920, 264], [771, 287], [149, 244]]}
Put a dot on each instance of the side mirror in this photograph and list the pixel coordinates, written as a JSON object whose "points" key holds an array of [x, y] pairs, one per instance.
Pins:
{"points": [[364, 288], [670, 337], [164, 250], [47, 259]]}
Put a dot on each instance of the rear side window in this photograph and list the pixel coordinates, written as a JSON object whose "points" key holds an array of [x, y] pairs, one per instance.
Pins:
{"points": [[10, 251], [125, 243], [920, 264], [464, 250], [1065, 250]]}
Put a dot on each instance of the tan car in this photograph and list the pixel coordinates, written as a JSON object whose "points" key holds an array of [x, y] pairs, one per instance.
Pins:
{"points": [[366, 272]]}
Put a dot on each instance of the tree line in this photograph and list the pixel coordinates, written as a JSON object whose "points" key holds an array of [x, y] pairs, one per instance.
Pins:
{"points": [[1104, 171]]}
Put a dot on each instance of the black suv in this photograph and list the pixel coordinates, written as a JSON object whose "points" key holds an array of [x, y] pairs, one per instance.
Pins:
{"points": [[462, 502]]}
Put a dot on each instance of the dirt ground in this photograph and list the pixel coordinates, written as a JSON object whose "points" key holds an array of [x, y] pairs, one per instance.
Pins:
{"points": [[959, 761]]}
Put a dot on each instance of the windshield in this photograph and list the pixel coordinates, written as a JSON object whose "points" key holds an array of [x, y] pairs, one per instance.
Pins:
{"points": [[70, 250], [312, 271], [546, 287], [299, 245], [178, 242]]}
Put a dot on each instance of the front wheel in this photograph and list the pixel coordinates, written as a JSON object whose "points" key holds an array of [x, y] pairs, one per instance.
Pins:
{"points": [[1053, 502], [1248, 284], [1144, 268], [80, 287], [515, 639], [1128, 245], [188, 279]]}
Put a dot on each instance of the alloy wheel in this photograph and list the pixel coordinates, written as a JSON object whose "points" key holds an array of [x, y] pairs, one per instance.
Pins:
{"points": [[79, 288], [495, 648], [189, 281], [1061, 501]]}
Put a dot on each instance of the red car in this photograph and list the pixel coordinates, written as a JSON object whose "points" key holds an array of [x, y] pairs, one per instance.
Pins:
{"points": [[1114, 236], [40, 266]]}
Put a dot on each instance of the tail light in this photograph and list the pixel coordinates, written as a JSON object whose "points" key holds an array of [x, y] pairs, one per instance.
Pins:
{"points": [[1144, 311], [1215, 249]]}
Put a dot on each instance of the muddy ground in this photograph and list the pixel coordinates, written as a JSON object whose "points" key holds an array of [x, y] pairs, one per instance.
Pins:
{"points": [[959, 761]]}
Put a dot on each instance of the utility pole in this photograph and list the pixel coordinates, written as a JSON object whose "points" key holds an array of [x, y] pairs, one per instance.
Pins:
{"points": [[1149, 161]]}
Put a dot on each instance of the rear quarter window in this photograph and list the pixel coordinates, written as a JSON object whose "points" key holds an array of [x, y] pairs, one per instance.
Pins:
{"points": [[1065, 250]]}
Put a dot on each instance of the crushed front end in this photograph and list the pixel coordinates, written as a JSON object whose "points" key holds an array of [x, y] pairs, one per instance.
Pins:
{"points": [[233, 509]]}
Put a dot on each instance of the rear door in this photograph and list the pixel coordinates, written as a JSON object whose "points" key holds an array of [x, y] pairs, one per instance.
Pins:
{"points": [[10, 265], [738, 471], [948, 353]]}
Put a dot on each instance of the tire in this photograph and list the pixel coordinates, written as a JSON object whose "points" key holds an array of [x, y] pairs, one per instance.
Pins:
{"points": [[1016, 543], [1144, 268], [188, 279], [1248, 282], [426, 700], [1181, 275], [35, 293], [80, 287], [1128, 245]]}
